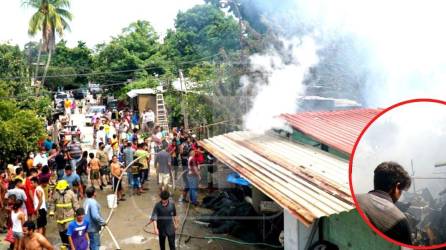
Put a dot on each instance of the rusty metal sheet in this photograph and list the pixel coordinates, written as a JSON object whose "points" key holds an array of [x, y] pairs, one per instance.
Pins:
{"points": [[309, 183]]}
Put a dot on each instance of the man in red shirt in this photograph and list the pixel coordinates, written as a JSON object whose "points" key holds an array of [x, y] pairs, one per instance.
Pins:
{"points": [[193, 178]]}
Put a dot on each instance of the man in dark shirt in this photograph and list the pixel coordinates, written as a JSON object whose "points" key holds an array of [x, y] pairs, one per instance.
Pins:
{"points": [[164, 168], [389, 181], [74, 153], [165, 220]]}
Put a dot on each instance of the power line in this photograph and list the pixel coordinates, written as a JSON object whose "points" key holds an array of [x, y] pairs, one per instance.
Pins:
{"points": [[54, 92], [111, 72]]}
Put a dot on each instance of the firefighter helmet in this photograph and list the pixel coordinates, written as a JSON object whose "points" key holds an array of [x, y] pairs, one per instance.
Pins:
{"points": [[62, 185]]}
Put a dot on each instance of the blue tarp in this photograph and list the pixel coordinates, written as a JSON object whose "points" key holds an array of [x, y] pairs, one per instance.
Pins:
{"points": [[236, 179]]}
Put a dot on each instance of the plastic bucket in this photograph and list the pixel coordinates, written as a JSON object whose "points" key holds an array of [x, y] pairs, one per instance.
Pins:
{"points": [[112, 201]]}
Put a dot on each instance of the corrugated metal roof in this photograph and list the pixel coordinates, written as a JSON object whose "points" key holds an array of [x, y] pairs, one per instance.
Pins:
{"points": [[308, 182], [337, 129]]}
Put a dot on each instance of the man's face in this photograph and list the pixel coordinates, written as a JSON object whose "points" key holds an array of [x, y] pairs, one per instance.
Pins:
{"points": [[396, 193], [164, 202], [68, 172], [80, 217], [34, 184], [115, 159], [27, 232], [11, 201]]}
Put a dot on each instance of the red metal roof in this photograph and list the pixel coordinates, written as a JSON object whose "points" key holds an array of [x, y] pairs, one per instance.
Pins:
{"points": [[337, 129]]}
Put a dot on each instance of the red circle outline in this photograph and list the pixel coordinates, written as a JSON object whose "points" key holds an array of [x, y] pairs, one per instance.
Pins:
{"points": [[358, 208]]}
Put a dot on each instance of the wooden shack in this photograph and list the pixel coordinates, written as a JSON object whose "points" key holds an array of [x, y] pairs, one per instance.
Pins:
{"points": [[142, 99]]}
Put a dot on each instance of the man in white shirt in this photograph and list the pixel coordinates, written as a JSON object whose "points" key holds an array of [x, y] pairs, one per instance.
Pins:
{"points": [[39, 203], [40, 158], [148, 120], [100, 135], [109, 149]]}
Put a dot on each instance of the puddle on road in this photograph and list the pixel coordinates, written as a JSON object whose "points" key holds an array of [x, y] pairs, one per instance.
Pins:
{"points": [[137, 240]]}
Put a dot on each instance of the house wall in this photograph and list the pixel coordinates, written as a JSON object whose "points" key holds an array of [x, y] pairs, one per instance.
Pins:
{"points": [[296, 234], [348, 231], [146, 102], [298, 136]]}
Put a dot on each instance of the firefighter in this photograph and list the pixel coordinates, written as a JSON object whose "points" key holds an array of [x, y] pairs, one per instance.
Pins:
{"points": [[63, 205]]}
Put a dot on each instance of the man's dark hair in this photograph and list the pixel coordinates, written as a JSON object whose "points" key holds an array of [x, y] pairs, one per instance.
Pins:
{"points": [[17, 181], [35, 179], [17, 204], [101, 144], [164, 195], [68, 167], [91, 155], [388, 175], [18, 170], [45, 169], [30, 225], [33, 170], [90, 191], [80, 211]]}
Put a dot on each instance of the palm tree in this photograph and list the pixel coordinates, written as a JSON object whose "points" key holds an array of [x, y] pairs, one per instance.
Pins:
{"points": [[51, 16]]}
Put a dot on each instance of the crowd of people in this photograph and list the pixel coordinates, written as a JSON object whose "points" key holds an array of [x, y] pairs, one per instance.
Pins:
{"points": [[53, 181]]}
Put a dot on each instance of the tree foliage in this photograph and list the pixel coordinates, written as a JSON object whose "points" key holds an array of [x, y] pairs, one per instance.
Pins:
{"points": [[202, 31], [21, 113], [51, 17]]}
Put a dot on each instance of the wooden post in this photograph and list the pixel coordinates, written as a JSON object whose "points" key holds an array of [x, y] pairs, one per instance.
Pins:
{"points": [[183, 101]]}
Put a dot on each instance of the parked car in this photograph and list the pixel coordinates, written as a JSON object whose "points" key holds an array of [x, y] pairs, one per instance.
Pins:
{"points": [[60, 96], [79, 94], [91, 111]]}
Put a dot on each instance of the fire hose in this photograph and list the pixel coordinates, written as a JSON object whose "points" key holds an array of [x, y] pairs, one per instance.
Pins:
{"points": [[112, 208], [190, 236], [115, 193], [184, 221]]}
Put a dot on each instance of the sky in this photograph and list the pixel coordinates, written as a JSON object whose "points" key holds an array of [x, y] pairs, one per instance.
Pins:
{"points": [[94, 21]]}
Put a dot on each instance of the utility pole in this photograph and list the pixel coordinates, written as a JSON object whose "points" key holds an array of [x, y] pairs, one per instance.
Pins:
{"points": [[240, 23], [183, 100], [413, 175]]}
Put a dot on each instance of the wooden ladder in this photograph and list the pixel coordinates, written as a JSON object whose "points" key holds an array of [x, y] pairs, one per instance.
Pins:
{"points": [[161, 112]]}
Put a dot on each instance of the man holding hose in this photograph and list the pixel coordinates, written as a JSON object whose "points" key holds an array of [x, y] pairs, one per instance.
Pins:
{"points": [[164, 217]]}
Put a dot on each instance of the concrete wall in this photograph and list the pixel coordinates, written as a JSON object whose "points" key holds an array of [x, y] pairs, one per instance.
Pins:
{"points": [[296, 233]]}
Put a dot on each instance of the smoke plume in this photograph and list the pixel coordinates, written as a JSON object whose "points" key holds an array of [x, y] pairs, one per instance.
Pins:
{"points": [[282, 82], [376, 52]]}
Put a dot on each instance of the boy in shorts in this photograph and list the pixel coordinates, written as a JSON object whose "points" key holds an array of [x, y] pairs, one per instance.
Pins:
{"points": [[94, 166]]}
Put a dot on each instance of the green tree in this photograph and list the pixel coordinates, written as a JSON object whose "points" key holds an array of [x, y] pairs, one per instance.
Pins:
{"points": [[51, 17], [74, 63], [134, 55], [202, 31], [12, 69]]}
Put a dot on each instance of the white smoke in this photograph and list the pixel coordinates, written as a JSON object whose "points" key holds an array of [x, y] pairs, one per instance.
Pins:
{"points": [[283, 84], [403, 42], [415, 133]]}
